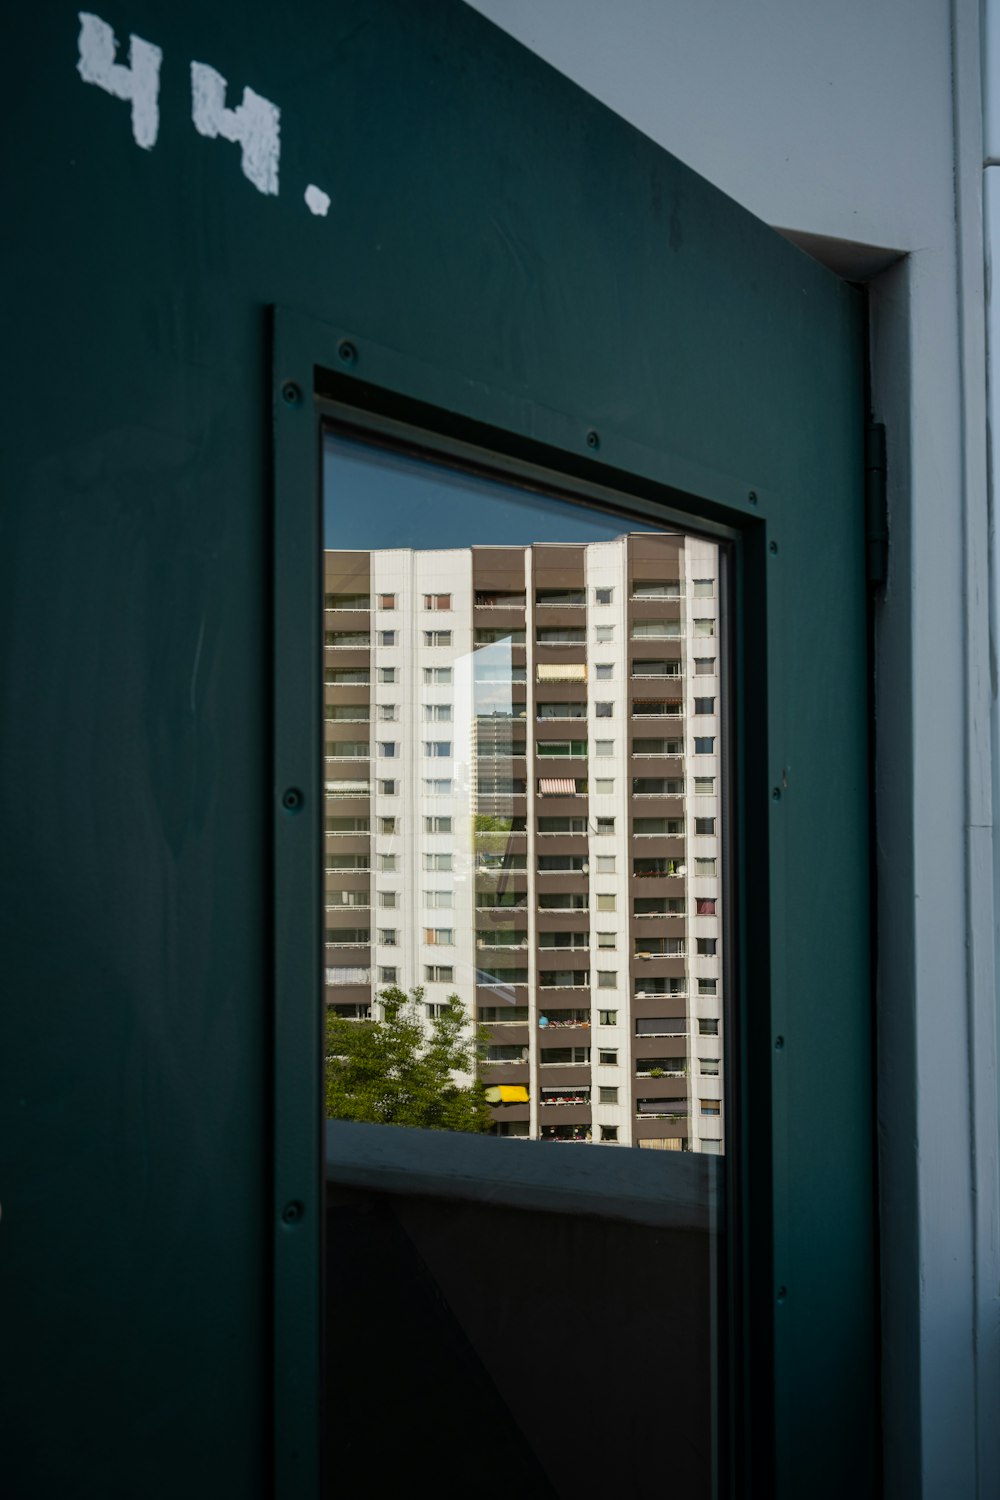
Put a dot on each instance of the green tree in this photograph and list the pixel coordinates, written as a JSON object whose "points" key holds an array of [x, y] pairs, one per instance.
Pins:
{"points": [[394, 1071]]}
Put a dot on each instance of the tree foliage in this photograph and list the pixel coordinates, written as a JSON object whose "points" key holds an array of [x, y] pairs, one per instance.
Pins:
{"points": [[400, 1071]]}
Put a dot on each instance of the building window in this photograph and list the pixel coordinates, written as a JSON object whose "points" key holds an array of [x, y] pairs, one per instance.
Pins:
{"points": [[708, 1027], [437, 749], [437, 713], [437, 861], [388, 674], [387, 975], [604, 671], [437, 637], [388, 937], [604, 710], [705, 867], [704, 705], [438, 786], [605, 825], [437, 676], [604, 786], [387, 712], [704, 588], [607, 1018], [704, 666], [388, 899], [435, 824], [708, 986], [387, 825], [607, 1093], [705, 906], [607, 902], [704, 744], [607, 940], [440, 899], [604, 749], [707, 947], [605, 864], [387, 637], [704, 627], [711, 1106], [708, 1066], [607, 979], [385, 601], [387, 748], [435, 1009], [704, 786], [608, 1057], [604, 596], [439, 937], [704, 825], [387, 864], [609, 1132], [439, 973], [437, 601], [604, 633], [387, 788]]}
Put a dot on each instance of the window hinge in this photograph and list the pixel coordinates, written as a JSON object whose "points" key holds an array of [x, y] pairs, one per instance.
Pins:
{"points": [[876, 505]]}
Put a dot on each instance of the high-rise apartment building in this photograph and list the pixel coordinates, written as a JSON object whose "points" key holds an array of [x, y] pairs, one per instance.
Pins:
{"points": [[523, 800]]}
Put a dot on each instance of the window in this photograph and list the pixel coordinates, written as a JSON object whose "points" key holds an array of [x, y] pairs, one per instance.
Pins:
{"points": [[704, 786], [708, 1066], [605, 825], [435, 1009], [437, 825], [607, 940], [607, 1018], [661, 588], [704, 825], [705, 906], [656, 630], [388, 674], [607, 979], [704, 866], [704, 705], [604, 786], [387, 748], [439, 937], [704, 627], [704, 744], [438, 637], [388, 937], [438, 786], [387, 788], [711, 1106], [439, 973], [607, 902], [387, 637], [439, 899], [607, 1094], [437, 749], [387, 825], [387, 864], [437, 676], [437, 861], [387, 711], [387, 975], [576, 748], [605, 864], [604, 748], [707, 947], [388, 899], [604, 710], [707, 1027], [704, 666], [608, 1057], [437, 601], [437, 713], [346, 750], [708, 986], [704, 588], [604, 633], [604, 671], [386, 601], [604, 596], [609, 1132]]}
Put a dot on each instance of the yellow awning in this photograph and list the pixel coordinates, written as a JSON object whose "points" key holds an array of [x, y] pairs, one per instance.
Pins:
{"points": [[508, 1093]]}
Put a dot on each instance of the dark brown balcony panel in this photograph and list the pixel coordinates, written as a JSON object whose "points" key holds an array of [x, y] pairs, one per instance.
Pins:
{"points": [[347, 880], [657, 966], [558, 1076], [658, 1046], [669, 1007], [508, 1034], [564, 1114], [653, 609], [346, 570], [672, 1092], [493, 1073], [655, 1130], [498, 617], [498, 567], [336, 953], [345, 657], [552, 884], [498, 882], [648, 649], [347, 843], [348, 994], [655, 804], [650, 551], [511, 1112], [347, 697], [557, 565], [571, 765], [553, 691], [563, 920]]}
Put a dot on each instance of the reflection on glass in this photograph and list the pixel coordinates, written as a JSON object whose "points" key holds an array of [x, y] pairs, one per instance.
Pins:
{"points": [[522, 814]]}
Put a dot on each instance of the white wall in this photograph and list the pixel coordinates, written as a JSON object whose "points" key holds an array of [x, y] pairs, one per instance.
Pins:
{"points": [[861, 122]]}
